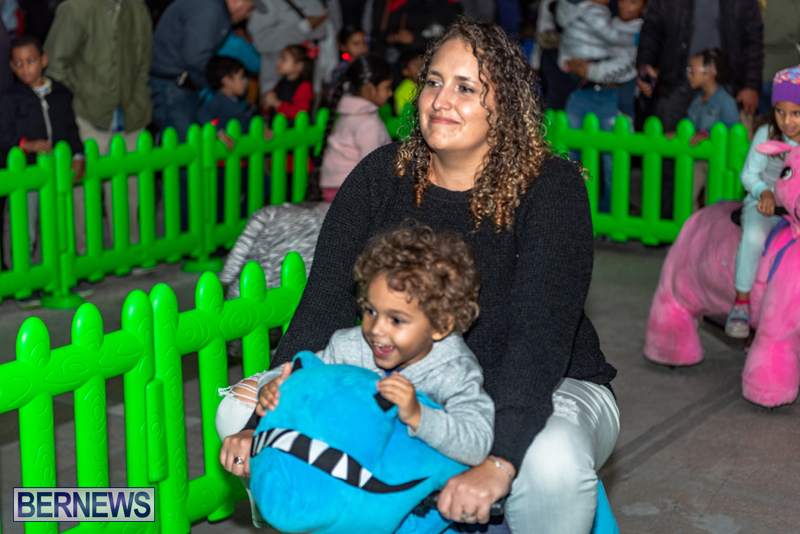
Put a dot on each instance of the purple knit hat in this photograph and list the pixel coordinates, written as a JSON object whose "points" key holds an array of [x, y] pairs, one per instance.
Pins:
{"points": [[786, 86]]}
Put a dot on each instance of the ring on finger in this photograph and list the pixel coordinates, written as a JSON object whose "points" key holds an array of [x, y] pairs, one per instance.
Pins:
{"points": [[238, 461], [464, 517]]}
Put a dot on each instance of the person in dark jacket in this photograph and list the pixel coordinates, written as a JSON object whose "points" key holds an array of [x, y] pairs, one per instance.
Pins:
{"points": [[35, 114], [187, 35], [676, 30]]}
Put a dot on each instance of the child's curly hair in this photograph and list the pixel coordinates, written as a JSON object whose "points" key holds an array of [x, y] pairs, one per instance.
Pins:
{"points": [[436, 269]]}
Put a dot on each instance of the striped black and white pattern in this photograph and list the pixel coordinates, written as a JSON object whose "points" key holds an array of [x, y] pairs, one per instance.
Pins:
{"points": [[319, 454]]}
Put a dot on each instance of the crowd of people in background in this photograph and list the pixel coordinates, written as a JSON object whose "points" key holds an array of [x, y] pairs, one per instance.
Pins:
{"points": [[128, 65]]}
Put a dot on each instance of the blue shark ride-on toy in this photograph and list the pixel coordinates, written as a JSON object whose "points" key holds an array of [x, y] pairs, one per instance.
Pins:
{"points": [[334, 458]]}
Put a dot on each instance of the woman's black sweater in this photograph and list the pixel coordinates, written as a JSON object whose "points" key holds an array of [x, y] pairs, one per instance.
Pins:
{"points": [[531, 331]]}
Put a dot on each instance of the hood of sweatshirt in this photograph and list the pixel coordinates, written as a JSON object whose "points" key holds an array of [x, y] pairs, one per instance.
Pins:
{"points": [[355, 105], [568, 10]]}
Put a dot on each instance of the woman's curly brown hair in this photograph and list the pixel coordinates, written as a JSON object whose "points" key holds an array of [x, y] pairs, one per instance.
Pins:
{"points": [[517, 147], [436, 269]]}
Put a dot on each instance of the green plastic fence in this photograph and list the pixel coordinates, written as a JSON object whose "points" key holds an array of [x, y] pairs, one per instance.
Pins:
{"points": [[147, 352], [61, 267], [725, 152]]}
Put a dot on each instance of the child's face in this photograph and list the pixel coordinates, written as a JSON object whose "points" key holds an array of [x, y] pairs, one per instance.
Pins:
{"points": [[396, 329], [699, 75], [355, 46], [28, 64], [235, 84], [377, 94], [787, 115], [411, 70], [630, 9], [288, 66]]}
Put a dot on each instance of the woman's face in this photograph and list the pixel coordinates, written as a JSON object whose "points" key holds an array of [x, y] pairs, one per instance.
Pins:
{"points": [[451, 116]]}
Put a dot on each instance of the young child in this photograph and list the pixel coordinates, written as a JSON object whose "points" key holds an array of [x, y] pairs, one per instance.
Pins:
{"points": [[418, 291], [228, 80], [589, 30], [759, 175], [601, 50], [293, 93], [410, 62], [352, 44], [35, 113], [363, 89], [707, 71]]}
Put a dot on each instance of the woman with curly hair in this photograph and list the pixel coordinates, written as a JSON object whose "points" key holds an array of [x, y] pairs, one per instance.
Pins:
{"points": [[475, 163]]}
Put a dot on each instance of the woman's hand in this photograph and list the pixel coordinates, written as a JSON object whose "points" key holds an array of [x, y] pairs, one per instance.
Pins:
{"points": [[235, 453], [270, 394], [766, 205], [468, 497], [401, 392]]}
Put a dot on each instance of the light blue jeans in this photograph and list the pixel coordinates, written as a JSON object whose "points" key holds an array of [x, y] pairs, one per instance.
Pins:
{"points": [[603, 102], [755, 230]]}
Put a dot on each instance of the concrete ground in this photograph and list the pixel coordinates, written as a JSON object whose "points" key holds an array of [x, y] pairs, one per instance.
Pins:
{"points": [[692, 456]]}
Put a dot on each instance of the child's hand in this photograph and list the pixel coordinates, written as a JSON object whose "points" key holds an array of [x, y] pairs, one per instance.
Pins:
{"points": [[34, 146], [400, 391], [766, 205], [270, 394], [226, 139], [271, 100], [268, 134], [79, 169]]}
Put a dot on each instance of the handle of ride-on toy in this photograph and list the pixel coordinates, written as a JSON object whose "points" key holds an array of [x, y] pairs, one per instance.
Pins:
{"points": [[497, 509], [780, 210]]}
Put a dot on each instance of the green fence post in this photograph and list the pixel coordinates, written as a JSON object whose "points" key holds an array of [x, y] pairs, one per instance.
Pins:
{"points": [[213, 370], [173, 490], [738, 146], [278, 176], [147, 201], [684, 174], [36, 426], [202, 200], [300, 169], [255, 168], [137, 320], [18, 206], [171, 183], [58, 228], [717, 145], [91, 433], [232, 183], [651, 180], [621, 179], [93, 206]]}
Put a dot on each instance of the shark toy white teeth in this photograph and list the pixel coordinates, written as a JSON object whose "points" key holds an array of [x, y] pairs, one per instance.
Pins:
{"points": [[319, 454]]}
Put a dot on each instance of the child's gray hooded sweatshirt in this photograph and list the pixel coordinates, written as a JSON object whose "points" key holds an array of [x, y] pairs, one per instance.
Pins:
{"points": [[450, 375]]}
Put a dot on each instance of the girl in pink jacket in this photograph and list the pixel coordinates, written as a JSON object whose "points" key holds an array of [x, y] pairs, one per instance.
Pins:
{"points": [[362, 90]]}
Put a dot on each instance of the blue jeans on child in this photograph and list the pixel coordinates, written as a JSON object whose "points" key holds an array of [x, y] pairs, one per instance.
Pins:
{"points": [[603, 102], [755, 229]]}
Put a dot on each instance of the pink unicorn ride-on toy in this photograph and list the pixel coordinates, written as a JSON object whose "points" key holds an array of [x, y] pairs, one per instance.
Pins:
{"points": [[697, 280]]}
